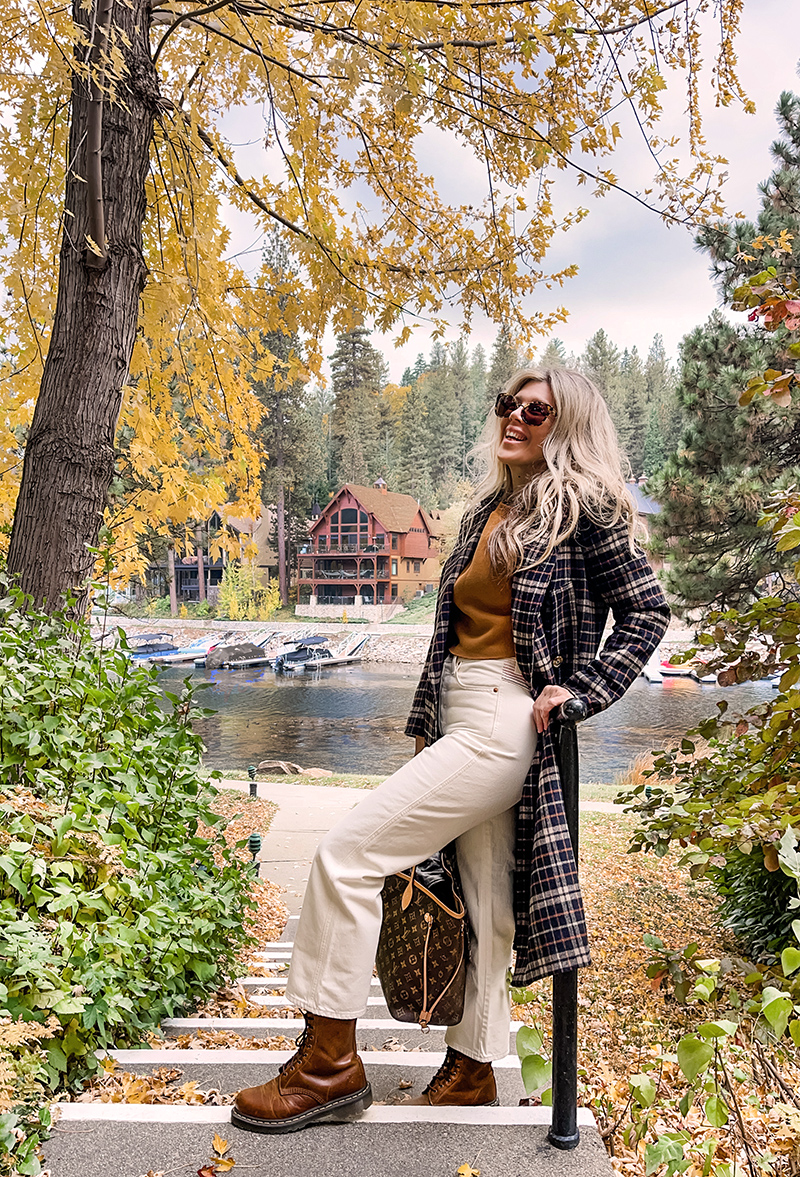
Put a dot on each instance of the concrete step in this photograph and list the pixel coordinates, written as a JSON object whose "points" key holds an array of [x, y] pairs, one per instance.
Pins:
{"points": [[280, 982], [376, 1006], [371, 1033], [127, 1140], [394, 1075]]}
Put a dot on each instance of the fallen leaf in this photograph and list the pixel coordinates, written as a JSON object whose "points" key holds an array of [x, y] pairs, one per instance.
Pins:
{"points": [[224, 1164], [467, 1170], [219, 1145], [405, 1083], [208, 1170]]}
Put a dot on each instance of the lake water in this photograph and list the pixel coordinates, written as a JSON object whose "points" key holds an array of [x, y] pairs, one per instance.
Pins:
{"points": [[351, 718]]}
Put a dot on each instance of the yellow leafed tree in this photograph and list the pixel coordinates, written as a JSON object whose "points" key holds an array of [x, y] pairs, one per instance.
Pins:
{"points": [[128, 330]]}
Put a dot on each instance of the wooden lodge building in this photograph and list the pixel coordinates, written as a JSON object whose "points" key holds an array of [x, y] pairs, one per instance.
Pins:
{"points": [[368, 548]]}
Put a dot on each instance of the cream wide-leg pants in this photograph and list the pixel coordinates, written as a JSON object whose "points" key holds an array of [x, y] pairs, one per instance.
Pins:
{"points": [[464, 786]]}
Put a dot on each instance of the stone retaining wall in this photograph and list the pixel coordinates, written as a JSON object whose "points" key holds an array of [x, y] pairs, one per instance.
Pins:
{"points": [[408, 650]]}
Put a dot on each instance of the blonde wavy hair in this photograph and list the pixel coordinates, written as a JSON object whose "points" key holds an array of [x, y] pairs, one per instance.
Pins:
{"points": [[582, 472]]}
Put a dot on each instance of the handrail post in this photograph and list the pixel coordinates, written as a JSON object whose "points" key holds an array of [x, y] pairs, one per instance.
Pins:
{"points": [[564, 1132]]}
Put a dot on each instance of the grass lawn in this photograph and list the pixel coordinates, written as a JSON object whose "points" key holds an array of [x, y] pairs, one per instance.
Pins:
{"points": [[592, 791]]}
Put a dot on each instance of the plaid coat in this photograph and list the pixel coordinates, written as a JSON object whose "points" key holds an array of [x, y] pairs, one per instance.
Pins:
{"points": [[558, 612]]}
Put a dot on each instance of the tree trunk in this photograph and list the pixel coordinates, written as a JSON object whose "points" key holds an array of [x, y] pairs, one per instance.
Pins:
{"points": [[280, 520], [201, 575], [173, 588], [69, 457]]}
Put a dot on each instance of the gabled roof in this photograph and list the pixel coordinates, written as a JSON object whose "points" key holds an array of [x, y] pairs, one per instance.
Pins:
{"points": [[644, 504], [395, 511]]}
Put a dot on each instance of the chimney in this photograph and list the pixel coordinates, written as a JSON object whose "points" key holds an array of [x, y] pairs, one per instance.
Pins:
{"points": [[381, 485]]}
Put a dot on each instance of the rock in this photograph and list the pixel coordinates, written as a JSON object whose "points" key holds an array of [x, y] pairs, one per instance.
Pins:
{"points": [[316, 773], [282, 766]]}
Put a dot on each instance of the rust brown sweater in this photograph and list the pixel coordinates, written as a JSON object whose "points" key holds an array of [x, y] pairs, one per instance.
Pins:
{"points": [[481, 618]]}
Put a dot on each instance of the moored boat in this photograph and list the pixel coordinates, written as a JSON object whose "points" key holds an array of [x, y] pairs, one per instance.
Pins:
{"points": [[195, 651], [142, 646]]}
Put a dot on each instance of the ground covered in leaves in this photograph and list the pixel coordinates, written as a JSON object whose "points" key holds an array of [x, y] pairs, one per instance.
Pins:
{"points": [[630, 1025]]}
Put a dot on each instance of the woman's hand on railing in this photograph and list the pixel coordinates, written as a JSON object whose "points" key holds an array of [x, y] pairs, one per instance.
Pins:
{"points": [[548, 700]]}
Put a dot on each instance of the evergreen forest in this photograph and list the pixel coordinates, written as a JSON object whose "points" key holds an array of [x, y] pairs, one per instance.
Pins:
{"points": [[419, 435]]}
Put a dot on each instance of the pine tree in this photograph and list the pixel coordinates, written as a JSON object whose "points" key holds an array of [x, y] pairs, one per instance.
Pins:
{"points": [[654, 452], [353, 464], [732, 460], [439, 390], [358, 374], [601, 363], [414, 373], [413, 445], [730, 243], [470, 415], [505, 362], [661, 383], [632, 420], [554, 355]]}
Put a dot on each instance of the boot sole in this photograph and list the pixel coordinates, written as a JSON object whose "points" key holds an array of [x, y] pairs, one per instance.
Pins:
{"points": [[335, 1109]]}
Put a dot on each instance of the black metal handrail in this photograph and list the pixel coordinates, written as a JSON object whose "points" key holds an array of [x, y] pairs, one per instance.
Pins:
{"points": [[564, 1132]]}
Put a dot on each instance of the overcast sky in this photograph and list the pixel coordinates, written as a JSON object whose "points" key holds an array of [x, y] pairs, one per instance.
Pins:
{"points": [[636, 276]]}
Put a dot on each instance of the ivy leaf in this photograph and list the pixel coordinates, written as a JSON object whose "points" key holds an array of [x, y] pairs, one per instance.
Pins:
{"points": [[536, 1072], [717, 1111], [644, 1089], [694, 1055], [776, 1008], [790, 960], [718, 1029], [667, 1150], [529, 1041]]}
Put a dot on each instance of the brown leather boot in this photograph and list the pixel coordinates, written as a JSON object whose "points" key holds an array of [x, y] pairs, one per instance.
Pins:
{"points": [[324, 1079], [459, 1082]]}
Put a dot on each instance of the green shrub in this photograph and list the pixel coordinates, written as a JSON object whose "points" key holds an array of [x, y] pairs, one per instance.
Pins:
{"points": [[120, 904], [755, 903]]}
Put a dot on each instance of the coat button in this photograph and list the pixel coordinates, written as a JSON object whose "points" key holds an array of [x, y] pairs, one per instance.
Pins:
{"points": [[495, 690], [557, 661]]}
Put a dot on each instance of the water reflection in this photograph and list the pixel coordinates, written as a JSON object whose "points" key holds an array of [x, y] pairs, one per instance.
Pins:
{"points": [[351, 718]]}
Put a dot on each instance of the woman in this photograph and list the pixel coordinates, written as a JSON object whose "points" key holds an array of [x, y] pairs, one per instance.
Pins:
{"points": [[543, 554]]}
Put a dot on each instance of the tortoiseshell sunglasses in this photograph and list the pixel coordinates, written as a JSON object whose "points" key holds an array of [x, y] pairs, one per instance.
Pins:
{"points": [[533, 412]]}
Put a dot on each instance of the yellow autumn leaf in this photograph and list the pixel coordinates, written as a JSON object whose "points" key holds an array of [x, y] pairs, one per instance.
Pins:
{"points": [[466, 1170], [219, 1145]]}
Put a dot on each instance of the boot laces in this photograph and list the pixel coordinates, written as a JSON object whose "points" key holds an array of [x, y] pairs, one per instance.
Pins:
{"points": [[445, 1073], [302, 1043]]}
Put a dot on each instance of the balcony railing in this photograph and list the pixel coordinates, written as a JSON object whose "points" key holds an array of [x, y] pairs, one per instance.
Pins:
{"points": [[372, 545]]}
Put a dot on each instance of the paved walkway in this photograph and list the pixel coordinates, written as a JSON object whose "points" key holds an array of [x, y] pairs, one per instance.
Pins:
{"points": [[305, 813]]}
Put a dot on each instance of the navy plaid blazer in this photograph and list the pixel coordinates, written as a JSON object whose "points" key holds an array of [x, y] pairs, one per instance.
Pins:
{"points": [[559, 609]]}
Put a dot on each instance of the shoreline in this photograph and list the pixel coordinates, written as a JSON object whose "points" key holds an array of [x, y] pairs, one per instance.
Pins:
{"points": [[400, 646]]}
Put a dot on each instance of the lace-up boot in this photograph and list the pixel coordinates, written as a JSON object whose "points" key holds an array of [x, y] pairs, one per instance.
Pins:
{"points": [[324, 1080], [459, 1082]]}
